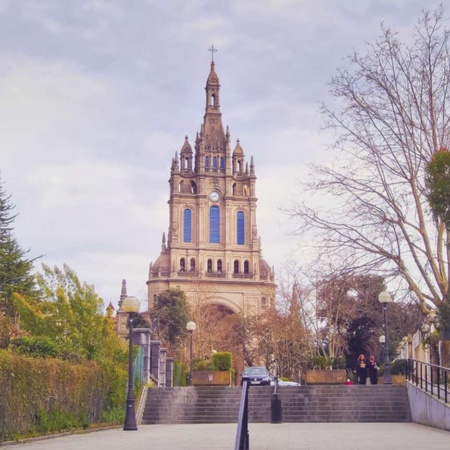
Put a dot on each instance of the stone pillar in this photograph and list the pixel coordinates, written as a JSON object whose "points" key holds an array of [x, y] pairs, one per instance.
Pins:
{"points": [[155, 346], [162, 367], [142, 337], [169, 372]]}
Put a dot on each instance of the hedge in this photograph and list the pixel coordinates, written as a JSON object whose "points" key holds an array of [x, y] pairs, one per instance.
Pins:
{"points": [[44, 395]]}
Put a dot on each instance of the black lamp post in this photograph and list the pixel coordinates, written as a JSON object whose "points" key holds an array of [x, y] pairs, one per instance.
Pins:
{"points": [[382, 340], [131, 306], [384, 298], [191, 328]]}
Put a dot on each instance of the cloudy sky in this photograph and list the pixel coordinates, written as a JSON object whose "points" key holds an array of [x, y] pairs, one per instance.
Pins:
{"points": [[97, 95]]}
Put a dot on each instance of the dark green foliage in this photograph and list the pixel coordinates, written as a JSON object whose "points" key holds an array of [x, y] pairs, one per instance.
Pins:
{"points": [[325, 363], [180, 374], [399, 366], [172, 312], [15, 269], [438, 185], [221, 361], [36, 346]]}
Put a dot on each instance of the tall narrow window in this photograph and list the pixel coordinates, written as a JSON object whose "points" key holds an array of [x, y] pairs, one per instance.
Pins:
{"points": [[182, 265], [236, 266], [214, 162], [209, 265], [219, 266], [207, 162], [214, 225], [240, 228], [192, 265], [187, 226], [222, 162], [246, 267]]}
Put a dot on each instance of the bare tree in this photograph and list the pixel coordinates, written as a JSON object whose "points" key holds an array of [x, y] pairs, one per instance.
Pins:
{"points": [[391, 115]]}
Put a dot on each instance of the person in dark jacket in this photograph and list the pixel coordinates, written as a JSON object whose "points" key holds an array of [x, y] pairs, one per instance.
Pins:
{"points": [[361, 369], [373, 369]]}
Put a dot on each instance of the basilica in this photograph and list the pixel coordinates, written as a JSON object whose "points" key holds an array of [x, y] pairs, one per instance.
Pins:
{"points": [[212, 244]]}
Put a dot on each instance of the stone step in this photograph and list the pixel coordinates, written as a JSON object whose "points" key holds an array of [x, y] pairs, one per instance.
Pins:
{"points": [[388, 403]]}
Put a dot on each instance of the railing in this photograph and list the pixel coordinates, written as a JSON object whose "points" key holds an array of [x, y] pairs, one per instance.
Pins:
{"points": [[429, 377], [242, 436]]}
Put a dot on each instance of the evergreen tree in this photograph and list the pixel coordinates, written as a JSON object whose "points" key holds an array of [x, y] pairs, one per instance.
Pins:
{"points": [[15, 268]]}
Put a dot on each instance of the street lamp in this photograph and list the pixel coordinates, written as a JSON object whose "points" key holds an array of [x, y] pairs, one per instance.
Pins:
{"points": [[382, 340], [384, 298], [131, 306], [191, 328]]}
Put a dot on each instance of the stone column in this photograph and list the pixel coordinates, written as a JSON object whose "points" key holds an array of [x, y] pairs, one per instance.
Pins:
{"points": [[142, 337], [162, 367], [169, 372], [155, 346]]}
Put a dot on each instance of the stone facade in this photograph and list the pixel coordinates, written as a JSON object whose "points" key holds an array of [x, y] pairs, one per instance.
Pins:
{"points": [[212, 247]]}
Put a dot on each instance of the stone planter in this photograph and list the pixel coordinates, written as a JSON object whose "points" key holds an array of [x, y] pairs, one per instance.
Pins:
{"points": [[211, 378], [325, 376], [396, 379]]}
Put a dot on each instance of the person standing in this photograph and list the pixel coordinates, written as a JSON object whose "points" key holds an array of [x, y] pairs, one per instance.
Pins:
{"points": [[361, 369], [373, 369]]}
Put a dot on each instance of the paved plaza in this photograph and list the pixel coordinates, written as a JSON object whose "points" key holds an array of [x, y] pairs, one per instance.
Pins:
{"points": [[263, 436]]}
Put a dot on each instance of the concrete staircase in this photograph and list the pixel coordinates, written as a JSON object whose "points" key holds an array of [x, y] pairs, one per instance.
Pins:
{"points": [[330, 403]]}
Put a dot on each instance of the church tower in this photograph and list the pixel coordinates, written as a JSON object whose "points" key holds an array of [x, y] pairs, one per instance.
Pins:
{"points": [[212, 242]]}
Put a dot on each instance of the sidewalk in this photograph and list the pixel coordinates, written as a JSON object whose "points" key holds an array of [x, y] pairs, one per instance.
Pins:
{"points": [[263, 436]]}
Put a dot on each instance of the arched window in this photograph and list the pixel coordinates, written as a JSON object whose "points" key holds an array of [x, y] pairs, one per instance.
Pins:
{"points": [[239, 166], [206, 162], [187, 226], [213, 100], [219, 266], [214, 225], [222, 162], [236, 266], [240, 228], [182, 265], [246, 265], [209, 265], [214, 162], [263, 302], [192, 264], [193, 188], [233, 189]]}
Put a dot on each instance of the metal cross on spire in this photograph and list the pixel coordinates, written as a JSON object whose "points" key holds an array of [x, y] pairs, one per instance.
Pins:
{"points": [[212, 50]]}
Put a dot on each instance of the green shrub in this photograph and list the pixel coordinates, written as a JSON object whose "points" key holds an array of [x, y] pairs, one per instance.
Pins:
{"points": [[324, 363], [222, 361], [42, 395], [35, 346], [179, 374], [399, 366], [200, 364]]}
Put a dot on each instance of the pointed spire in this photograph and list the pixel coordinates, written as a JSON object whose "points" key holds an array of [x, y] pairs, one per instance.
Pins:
{"points": [[238, 149], [163, 245], [252, 166], [186, 148], [123, 294]]}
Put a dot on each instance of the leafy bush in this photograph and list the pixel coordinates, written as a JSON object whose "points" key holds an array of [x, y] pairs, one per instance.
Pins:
{"points": [[200, 364], [179, 374], [41, 395], [324, 363], [35, 346], [399, 366], [221, 361]]}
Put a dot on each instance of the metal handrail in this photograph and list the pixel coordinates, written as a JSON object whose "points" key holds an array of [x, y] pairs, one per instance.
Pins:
{"points": [[429, 377], [242, 436]]}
